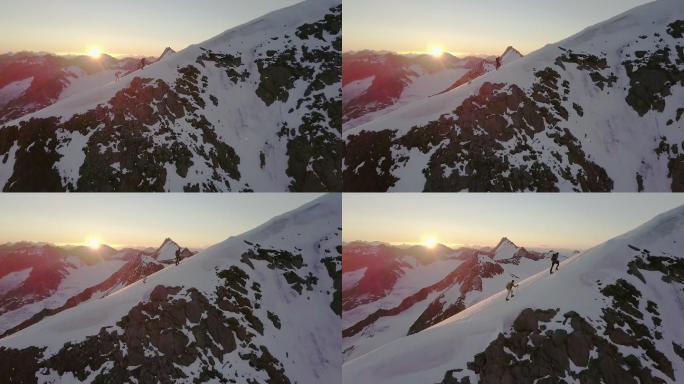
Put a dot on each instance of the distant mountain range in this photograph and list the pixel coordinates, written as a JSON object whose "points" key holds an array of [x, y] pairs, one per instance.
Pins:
{"points": [[41, 280], [390, 292], [31, 81], [376, 83]]}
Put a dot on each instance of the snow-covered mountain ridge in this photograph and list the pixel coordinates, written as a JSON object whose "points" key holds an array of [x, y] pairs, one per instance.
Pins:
{"points": [[599, 111], [263, 306], [611, 314], [255, 108]]}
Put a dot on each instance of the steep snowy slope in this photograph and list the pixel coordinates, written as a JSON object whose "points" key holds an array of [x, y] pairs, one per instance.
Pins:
{"points": [[253, 109], [260, 307], [612, 314], [599, 111], [37, 281], [401, 292]]}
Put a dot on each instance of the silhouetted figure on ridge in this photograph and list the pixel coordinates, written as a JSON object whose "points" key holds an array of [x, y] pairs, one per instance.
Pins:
{"points": [[554, 261]]}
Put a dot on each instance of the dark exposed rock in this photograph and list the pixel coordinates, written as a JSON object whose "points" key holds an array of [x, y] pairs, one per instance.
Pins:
{"points": [[676, 29], [368, 162], [526, 321], [235, 70], [466, 146], [651, 79]]}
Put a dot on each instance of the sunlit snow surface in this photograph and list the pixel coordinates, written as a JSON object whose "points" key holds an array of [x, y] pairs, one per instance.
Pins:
{"points": [[426, 356]]}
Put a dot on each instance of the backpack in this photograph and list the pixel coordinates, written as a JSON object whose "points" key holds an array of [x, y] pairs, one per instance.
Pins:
{"points": [[509, 286]]}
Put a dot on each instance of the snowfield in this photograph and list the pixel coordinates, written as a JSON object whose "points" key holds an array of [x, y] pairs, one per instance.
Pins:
{"points": [[623, 297]]}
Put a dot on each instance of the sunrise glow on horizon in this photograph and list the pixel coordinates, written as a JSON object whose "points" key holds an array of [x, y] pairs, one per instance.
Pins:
{"points": [[138, 220], [469, 28], [535, 220], [123, 27]]}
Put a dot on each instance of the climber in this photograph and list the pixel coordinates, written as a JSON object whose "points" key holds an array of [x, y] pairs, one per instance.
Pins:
{"points": [[178, 254], [510, 287], [554, 261], [118, 75], [498, 62], [142, 63]]}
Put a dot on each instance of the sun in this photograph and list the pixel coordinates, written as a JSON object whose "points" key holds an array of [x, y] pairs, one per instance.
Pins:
{"points": [[430, 242], [95, 53], [94, 243], [437, 51]]}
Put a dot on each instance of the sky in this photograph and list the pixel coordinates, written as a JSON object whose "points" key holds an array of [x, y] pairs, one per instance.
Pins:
{"points": [[121, 27], [137, 219], [564, 221], [470, 27]]}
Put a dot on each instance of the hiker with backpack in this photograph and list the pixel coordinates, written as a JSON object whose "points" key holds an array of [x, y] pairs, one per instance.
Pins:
{"points": [[511, 284], [498, 62], [554, 261], [142, 63], [178, 258]]}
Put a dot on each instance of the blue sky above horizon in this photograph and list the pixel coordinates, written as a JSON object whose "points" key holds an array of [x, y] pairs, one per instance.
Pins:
{"points": [[465, 27], [121, 27], [566, 220], [139, 219]]}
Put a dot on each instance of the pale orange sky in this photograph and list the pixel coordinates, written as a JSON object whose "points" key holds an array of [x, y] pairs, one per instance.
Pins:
{"points": [[121, 27], [571, 221], [465, 27], [139, 219]]}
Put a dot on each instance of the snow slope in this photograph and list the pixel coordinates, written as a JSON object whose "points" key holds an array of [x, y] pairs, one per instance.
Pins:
{"points": [[252, 109], [617, 306], [263, 306], [13, 90], [417, 292], [599, 111]]}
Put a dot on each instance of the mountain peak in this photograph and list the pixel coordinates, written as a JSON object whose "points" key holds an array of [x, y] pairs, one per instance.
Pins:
{"points": [[505, 242], [510, 54], [167, 51], [166, 251]]}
